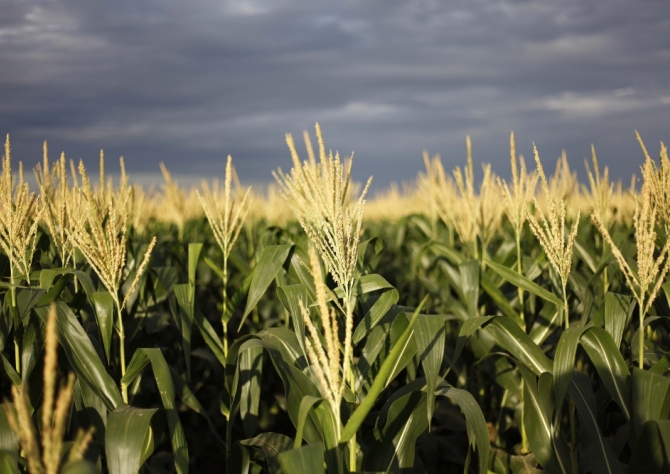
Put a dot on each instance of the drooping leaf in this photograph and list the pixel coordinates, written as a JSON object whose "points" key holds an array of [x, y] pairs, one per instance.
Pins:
{"points": [[610, 365], [652, 452], [167, 393], [469, 272], [269, 263], [564, 363], [478, 434], [250, 366], [596, 451], [389, 364], [429, 334], [304, 459], [82, 355], [9, 462], [618, 312], [551, 452], [396, 447], [305, 406], [104, 314], [511, 337], [649, 398], [126, 444], [272, 445], [524, 283]]}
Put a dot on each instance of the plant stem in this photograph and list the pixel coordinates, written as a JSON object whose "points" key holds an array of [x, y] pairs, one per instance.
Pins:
{"points": [[122, 350], [520, 272], [565, 306], [640, 331], [224, 321]]}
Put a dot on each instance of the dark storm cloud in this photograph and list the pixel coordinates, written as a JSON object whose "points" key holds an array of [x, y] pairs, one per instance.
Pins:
{"points": [[190, 82]]}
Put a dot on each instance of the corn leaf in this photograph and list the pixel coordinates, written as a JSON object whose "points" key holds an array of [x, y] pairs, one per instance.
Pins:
{"points": [[429, 335], [82, 355], [167, 392], [396, 447], [524, 283], [596, 451], [552, 453], [382, 378], [103, 303], [478, 434], [618, 313], [304, 459], [650, 398], [610, 365], [652, 453], [271, 445], [508, 335], [129, 440], [269, 263]]}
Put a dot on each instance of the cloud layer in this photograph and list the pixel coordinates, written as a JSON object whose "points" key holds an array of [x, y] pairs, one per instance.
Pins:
{"points": [[188, 83]]}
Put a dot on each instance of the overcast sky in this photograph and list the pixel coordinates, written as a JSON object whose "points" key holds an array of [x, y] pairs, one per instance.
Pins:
{"points": [[188, 83]]}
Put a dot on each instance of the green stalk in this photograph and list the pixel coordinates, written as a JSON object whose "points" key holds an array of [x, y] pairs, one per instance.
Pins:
{"points": [[122, 351], [565, 306], [520, 271], [225, 305], [358, 416], [12, 292], [641, 339]]}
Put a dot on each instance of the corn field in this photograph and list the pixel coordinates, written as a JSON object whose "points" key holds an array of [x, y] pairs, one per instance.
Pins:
{"points": [[496, 326]]}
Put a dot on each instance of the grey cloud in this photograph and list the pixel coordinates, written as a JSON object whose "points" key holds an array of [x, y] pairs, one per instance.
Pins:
{"points": [[191, 82]]}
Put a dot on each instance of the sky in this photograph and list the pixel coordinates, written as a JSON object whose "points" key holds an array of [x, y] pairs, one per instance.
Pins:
{"points": [[188, 83]]}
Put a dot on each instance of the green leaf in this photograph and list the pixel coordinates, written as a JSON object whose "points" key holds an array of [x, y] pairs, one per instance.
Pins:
{"points": [[596, 452], [305, 406], [469, 272], [184, 295], [478, 433], [13, 376], [26, 299], [609, 363], [469, 327], [8, 440], [429, 335], [189, 399], [652, 453], [79, 467], [270, 262], [82, 355], [304, 459], [564, 364], [552, 453], [618, 312], [104, 314], [387, 368], [649, 396], [524, 283], [31, 346], [508, 335], [167, 393], [250, 366], [396, 447], [501, 301], [208, 333], [272, 445], [290, 296], [9, 462], [194, 249], [386, 300], [127, 442]]}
